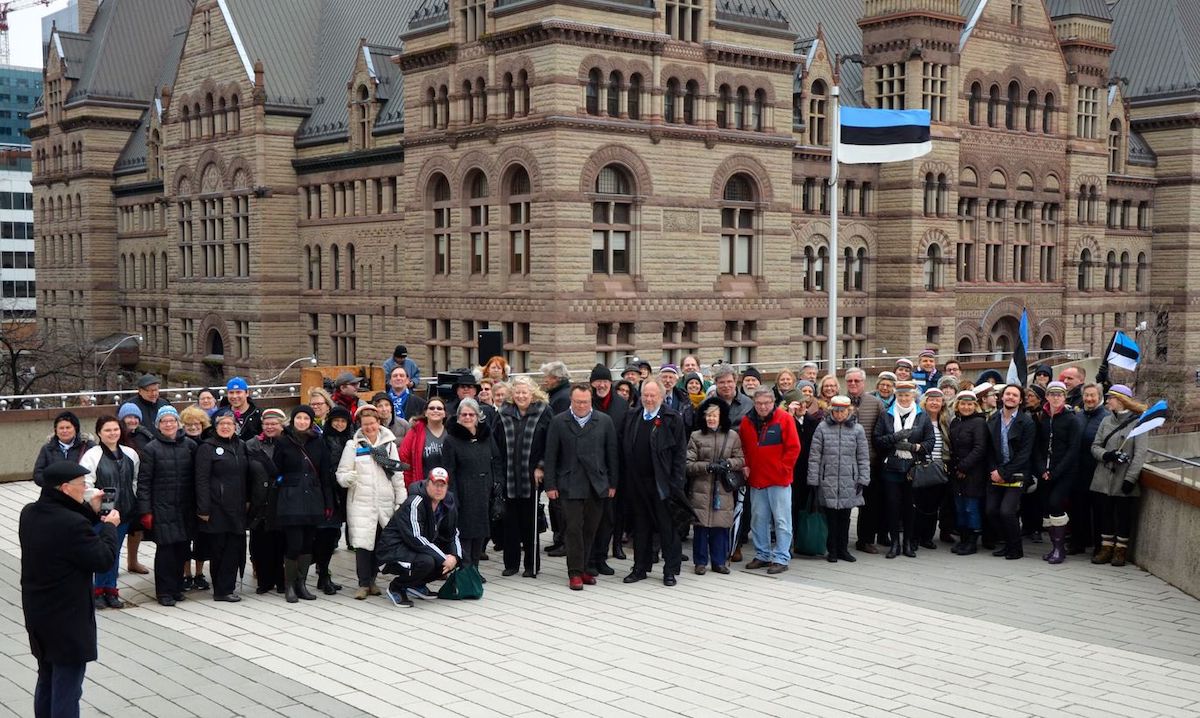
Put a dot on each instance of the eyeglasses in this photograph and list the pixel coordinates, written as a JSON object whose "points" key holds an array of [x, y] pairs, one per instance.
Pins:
{"points": [[435, 408], [318, 402], [467, 413]]}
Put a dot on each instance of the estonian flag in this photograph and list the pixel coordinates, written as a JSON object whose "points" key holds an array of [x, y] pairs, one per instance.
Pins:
{"points": [[869, 136], [1150, 420], [1018, 370], [1124, 352]]}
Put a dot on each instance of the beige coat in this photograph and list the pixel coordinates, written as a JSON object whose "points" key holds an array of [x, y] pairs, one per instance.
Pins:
{"points": [[703, 486]]}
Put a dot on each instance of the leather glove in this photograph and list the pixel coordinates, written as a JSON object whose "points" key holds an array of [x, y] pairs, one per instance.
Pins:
{"points": [[903, 434], [903, 446], [713, 467], [148, 522], [1127, 487], [1110, 457]]}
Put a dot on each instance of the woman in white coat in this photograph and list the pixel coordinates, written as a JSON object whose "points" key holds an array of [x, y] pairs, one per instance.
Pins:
{"points": [[370, 469]]}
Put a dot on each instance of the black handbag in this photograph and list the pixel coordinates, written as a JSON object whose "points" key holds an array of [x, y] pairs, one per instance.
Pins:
{"points": [[931, 473]]}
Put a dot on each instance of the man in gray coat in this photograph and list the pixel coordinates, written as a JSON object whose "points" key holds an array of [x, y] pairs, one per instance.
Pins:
{"points": [[580, 471]]}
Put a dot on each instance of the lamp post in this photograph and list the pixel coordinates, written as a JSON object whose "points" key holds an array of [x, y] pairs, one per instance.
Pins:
{"points": [[96, 367], [311, 359]]}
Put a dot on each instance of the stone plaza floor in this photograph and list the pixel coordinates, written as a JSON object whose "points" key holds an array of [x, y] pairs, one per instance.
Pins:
{"points": [[934, 636]]}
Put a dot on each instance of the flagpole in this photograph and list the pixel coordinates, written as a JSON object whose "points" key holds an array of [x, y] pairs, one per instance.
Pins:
{"points": [[832, 277]]}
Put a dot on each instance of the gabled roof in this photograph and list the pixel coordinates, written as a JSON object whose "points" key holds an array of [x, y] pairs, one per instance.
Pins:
{"points": [[838, 22], [284, 35], [73, 49], [133, 154], [1140, 152], [1158, 46], [1087, 8]]}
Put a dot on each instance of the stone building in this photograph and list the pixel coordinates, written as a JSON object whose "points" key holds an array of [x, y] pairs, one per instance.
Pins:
{"points": [[244, 182]]}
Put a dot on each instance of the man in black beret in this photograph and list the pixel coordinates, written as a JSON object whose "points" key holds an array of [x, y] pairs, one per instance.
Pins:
{"points": [[60, 554]]}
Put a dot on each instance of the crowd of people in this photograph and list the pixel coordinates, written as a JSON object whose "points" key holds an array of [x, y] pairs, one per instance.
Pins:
{"points": [[420, 483]]}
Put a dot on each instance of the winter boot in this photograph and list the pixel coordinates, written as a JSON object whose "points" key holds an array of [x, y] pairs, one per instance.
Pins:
{"points": [[896, 548], [1058, 539], [289, 580], [1119, 551], [909, 547], [969, 545], [1105, 554], [302, 565], [325, 582]]}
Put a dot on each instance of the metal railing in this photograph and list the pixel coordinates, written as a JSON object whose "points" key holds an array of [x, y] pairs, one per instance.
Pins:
{"points": [[1188, 470], [112, 398]]}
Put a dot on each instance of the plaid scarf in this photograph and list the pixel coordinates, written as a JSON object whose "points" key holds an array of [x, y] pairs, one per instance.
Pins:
{"points": [[516, 488]]}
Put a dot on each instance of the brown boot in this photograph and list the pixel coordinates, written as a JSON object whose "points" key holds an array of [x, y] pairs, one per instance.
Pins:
{"points": [[1119, 551], [866, 547], [737, 555], [1105, 553]]}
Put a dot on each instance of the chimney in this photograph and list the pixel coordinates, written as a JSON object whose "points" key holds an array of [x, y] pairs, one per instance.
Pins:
{"points": [[87, 12]]}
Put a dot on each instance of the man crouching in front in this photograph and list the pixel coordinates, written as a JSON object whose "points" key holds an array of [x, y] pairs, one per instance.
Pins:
{"points": [[421, 543]]}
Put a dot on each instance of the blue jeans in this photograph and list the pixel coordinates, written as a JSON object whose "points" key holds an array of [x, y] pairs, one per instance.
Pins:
{"points": [[967, 511], [709, 544], [771, 508], [108, 579], [59, 689]]}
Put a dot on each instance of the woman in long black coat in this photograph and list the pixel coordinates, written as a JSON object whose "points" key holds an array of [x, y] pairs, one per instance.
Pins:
{"points": [[166, 494], [473, 463], [222, 473], [338, 429], [968, 469], [304, 498]]}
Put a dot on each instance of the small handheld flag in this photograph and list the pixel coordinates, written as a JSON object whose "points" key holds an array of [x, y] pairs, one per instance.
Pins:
{"points": [[1124, 352], [1150, 420], [869, 136], [1018, 370]]}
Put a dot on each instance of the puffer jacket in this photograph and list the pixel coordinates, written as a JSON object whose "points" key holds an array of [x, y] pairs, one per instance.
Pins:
{"points": [[107, 471], [968, 466], [373, 496], [839, 463], [166, 489], [710, 500], [222, 473], [302, 495], [1109, 476]]}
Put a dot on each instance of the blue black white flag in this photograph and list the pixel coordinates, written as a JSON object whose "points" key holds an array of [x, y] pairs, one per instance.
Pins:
{"points": [[1124, 352], [1018, 370], [870, 136], [1150, 420]]}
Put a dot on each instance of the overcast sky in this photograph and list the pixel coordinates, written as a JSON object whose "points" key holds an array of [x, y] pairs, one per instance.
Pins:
{"points": [[25, 33]]}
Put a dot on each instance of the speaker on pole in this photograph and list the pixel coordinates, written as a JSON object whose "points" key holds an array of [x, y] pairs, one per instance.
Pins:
{"points": [[491, 344]]}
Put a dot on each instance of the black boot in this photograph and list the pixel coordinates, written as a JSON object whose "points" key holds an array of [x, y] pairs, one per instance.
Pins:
{"points": [[302, 565], [289, 580], [910, 547], [969, 545], [896, 548], [325, 583]]}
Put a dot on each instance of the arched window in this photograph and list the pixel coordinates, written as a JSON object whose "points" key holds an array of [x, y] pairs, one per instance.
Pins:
{"points": [[443, 107], [934, 271], [1139, 278], [477, 222], [1081, 206], [816, 113], [510, 96], [614, 94], [739, 110], [1110, 272], [1093, 203], [806, 268], [431, 118], [929, 198], [519, 227], [1114, 147], [691, 95], [439, 203], [973, 106], [592, 93], [468, 103], [197, 120], [121, 268], [216, 345], [965, 347], [737, 226], [633, 104], [185, 118], [523, 91], [670, 97], [1048, 114], [943, 195], [1031, 103], [993, 107], [481, 112], [316, 279], [222, 116], [1084, 279], [724, 98], [1010, 107], [335, 257], [163, 268], [612, 221], [363, 112], [153, 271], [860, 268], [210, 118], [235, 115], [352, 267], [759, 117], [819, 273], [1123, 273]]}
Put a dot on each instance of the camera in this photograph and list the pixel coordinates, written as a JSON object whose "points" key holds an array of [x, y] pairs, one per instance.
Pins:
{"points": [[109, 502]]}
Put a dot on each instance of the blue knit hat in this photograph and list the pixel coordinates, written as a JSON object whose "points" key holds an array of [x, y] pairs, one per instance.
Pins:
{"points": [[167, 410], [129, 409]]}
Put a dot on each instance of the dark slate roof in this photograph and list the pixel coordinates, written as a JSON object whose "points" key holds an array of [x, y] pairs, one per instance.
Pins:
{"points": [[1158, 46], [75, 49], [133, 155], [1087, 8], [838, 22], [129, 41], [432, 12], [1140, 152], [284, 35], [762, 13]]}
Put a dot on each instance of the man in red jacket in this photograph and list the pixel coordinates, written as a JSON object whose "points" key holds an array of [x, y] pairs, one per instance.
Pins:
{"points": [[772, 446]]}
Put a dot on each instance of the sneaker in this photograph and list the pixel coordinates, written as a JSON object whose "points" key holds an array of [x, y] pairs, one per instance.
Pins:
{"points": [[777, 568], [187, 583], [400, 598], [421, 592], [98, 601], [200, 583], [112, 600]]}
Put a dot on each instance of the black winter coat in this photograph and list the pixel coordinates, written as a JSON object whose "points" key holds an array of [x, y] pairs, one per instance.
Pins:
{"points": [[668, 452], [560, 397], [617, 409], [262, 489], [527, 449], [149, 411], [581, 462], [1022, 435], [886, 438], [249, 424], [335, 442], [222, 475], [167, 489], [60, 555], [805, 430], [304, 491], [1089, 424], [474, 467], [968, 467], [1057, 448], [49, 453], [416, 529]]}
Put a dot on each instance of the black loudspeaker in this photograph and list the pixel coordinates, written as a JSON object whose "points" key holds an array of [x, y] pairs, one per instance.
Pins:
{"points": [[491, 344]]}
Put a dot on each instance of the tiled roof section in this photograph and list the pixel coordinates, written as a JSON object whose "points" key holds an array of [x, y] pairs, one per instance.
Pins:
{"points": [[343, 24], [133, 155], [430, 13], [1140, 152], [129, 42], [1087, 8], [762, 13], [75, 49], [284, 35], [1158, 46], [838, 21]]}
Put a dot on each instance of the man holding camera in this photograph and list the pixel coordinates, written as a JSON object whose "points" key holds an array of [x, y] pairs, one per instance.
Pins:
{"points": [[60, 553]]}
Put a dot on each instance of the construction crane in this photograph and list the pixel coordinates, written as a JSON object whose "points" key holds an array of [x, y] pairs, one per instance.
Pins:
{"points": [[5, 9]]}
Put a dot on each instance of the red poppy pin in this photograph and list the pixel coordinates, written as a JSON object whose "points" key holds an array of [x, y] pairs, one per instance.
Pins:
{"points": [[657, 421]]}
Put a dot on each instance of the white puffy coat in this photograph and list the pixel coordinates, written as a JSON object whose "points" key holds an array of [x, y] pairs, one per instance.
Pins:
{"points": [[372, 496]]}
